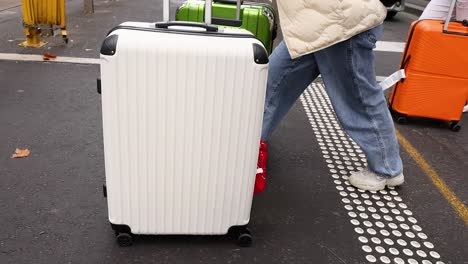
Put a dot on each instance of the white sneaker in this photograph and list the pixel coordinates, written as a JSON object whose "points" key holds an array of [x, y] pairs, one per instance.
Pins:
{"points": [[370, 181], [465, 109]]}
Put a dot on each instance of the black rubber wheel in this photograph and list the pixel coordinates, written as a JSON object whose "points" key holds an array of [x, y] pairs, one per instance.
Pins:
{"points": [[124, 239], [455, 127], [391, 15], [245, 240], [402, 119]]}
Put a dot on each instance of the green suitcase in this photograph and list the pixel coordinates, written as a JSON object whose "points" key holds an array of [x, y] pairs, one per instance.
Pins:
{"points": [[258, 18]]}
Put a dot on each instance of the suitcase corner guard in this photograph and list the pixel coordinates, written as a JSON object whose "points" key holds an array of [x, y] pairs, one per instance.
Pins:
{"points": [[260, 54], [109, 45]]}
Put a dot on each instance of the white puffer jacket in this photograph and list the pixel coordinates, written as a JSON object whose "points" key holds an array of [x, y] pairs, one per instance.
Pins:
{"points": [[311, 25]]}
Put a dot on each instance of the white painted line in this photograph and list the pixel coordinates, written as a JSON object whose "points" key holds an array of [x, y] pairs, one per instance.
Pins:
{"points": [[6, 13], [59, 59], [385, 46], [39, 58], [384, 226], [389, 46]]}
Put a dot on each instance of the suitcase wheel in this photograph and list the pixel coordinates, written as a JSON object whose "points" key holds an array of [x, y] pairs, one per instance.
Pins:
{"points": [[401, 119], [454, 126], [124, 239], [245, 238]]}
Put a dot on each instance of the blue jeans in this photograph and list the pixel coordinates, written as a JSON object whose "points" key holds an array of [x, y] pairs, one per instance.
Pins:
{"points": [[347, 70]]}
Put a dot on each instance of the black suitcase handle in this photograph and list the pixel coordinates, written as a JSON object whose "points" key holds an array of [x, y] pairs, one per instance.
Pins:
{"points": [[233, 2], [226, 22], [166, 25]]}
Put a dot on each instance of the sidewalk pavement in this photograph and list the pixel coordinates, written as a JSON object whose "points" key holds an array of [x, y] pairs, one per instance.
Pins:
{"points": [[416, 7], [7, 4], [86, 32]]}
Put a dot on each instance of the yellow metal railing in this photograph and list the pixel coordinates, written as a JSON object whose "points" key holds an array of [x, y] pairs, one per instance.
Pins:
{"points": [[42, 12]]}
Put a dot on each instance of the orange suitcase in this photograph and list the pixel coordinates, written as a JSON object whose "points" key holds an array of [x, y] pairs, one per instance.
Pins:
{"points": [[435, 61]]}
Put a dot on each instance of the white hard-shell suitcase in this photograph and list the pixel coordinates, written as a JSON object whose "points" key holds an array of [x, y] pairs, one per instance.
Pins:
{"points": [[182, 113]]}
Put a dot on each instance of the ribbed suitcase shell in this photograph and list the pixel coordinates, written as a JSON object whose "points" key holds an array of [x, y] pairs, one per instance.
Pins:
{"points": [[182, 116], [435, 63]]}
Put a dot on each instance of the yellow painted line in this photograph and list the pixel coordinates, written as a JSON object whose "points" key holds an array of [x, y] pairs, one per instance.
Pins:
{"points": [[456, 203]]}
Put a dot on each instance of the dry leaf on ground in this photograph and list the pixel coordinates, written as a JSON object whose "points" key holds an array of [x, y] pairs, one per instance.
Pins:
{"points": [[47, 56], [20, 153]]}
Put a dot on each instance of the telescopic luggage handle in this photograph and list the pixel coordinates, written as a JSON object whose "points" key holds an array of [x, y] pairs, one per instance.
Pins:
{"points": [[449, 17], [166, 23], [208, 14], [209, 19], [237, 22]]}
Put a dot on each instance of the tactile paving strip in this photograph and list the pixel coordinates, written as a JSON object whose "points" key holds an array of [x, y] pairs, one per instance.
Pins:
{"points": [[384, 225]]}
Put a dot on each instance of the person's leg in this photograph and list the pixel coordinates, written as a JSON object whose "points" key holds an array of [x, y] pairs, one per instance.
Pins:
{"points": [[287, 80], [347, 70]]}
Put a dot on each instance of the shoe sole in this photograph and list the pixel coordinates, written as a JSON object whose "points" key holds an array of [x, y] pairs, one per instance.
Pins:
{"points": [[395, 182], [370, 187], [379, 187]]}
